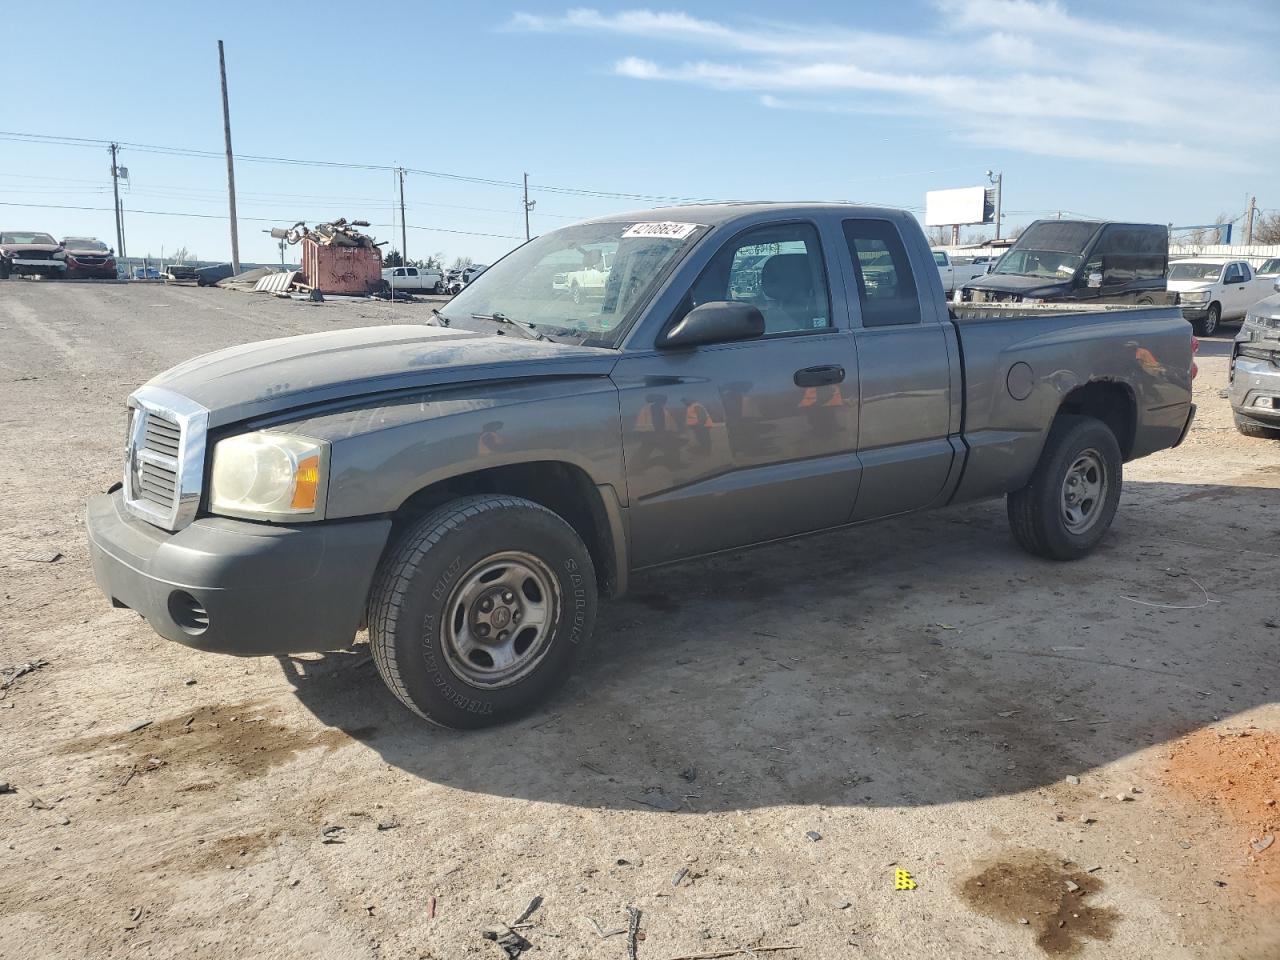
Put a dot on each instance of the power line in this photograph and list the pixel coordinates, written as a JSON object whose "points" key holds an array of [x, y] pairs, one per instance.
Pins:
{"points": [[219, 216], [258, 158]]}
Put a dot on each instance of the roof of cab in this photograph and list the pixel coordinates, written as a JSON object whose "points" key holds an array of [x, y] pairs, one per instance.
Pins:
{"points": [[715, 214]]}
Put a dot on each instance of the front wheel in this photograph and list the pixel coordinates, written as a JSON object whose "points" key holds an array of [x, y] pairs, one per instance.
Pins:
{"points": [[480, 611], [1068, 505], [1212, 317]]}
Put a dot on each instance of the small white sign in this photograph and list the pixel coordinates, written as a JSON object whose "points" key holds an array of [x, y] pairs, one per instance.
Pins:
{"points": [[663, 228]]}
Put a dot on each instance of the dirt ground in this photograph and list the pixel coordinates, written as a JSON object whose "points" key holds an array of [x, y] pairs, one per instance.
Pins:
{"points": [[1068, 760]]}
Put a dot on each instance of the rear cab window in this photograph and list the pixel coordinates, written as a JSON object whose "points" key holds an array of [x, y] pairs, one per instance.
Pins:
{"points": [[887, 291]]}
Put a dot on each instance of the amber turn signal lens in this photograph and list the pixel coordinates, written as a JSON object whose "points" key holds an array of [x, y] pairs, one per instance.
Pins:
{"points": [[306, 483]]}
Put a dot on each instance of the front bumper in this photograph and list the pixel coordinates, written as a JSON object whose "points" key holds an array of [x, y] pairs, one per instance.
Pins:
{"points": [[1255, 390], [46, 264], [232, 586]]}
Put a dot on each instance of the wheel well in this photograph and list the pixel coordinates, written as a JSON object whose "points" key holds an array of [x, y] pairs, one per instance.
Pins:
{"points": [[1110, 402], [561, 487]]}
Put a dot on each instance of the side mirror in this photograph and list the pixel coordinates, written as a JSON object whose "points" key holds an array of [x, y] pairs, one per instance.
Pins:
{"points": [[1095, 281], [1276, 285], [720, 321]]}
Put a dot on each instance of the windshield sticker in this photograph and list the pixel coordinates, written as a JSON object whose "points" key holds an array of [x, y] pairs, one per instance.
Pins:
{"points": [[664, 229]]}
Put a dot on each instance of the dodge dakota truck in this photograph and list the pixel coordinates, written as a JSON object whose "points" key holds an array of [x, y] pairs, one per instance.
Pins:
{"points": [[468, 490]]}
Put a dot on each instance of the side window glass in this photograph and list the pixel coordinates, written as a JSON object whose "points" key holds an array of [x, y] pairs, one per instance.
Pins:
{"points": [[1233, 273], [1244, 272], [778, 269], [398, 272], [411, 272], [886, 285]]}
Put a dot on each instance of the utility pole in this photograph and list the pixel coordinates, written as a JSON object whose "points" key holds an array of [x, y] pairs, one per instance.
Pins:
{"points": [[231, 167], [528, 206], [998, 180], [404, 231], [115, 189], [1248, 220]]}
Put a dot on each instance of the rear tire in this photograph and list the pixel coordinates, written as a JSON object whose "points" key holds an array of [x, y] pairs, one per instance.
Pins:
{"points": [[1067, 507], [1251, 428], [481, 609], [1209, 325]]}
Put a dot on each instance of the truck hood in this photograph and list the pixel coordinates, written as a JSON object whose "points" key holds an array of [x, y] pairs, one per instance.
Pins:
{"points": [[1025, 286], [273, 376], [1182, 286], [18, 249]]}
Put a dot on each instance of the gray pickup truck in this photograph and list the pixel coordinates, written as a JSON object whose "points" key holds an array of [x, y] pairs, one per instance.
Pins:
{"points": [[467, 489]]}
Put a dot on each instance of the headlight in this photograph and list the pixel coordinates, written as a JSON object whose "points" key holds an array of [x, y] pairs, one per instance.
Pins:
{"points": [[269, 475], [1194, 296]]}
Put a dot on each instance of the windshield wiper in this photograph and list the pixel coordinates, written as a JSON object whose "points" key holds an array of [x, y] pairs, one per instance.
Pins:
{"points": [[529, 330]]}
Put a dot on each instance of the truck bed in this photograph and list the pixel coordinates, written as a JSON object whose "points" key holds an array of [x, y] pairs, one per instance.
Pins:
{"points": [[1021, 361]]}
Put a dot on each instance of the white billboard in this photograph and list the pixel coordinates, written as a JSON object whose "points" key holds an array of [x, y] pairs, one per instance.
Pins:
{"points": [[946, 208]]}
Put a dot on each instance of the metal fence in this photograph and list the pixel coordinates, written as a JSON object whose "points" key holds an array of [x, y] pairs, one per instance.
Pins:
{"points": [[1255, 253]]}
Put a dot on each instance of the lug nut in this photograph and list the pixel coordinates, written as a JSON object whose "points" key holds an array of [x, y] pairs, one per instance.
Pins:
{"points": [[486, 604], [503, 635], [507, 596], [483, 629], [515, 617]]}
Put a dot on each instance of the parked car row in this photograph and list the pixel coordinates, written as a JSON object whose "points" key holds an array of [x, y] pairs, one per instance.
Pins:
{"points": [[1064, 261], [427, 280], [35, 254]]}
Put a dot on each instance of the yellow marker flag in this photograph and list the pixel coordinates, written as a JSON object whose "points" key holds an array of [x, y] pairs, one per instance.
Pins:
{"points": [[902, 880]]}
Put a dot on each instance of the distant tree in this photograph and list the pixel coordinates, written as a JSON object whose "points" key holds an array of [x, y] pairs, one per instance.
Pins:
{"points": [[1210, 235], [182, 255], [1266, 228], [1015, 232], [392, 258], [434, 262], [461, 263], [939, 236]]}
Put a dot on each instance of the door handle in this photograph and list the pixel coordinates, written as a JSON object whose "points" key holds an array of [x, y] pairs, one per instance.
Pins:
{"points": [[822, 376]]}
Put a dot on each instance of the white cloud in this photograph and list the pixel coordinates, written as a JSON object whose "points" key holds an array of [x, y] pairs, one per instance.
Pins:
{"points": [[1027, 75]]}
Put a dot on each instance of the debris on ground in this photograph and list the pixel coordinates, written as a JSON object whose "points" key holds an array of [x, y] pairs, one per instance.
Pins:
{"points": [[1073, 780], [509, 938], [51, 556], [1264, 843], [6, 787], [902, 880], [605, 934], [656, 798], [10, 675], [388, 824], [140, 725], [680, 875], [633, 932], [335, 833], [814, 835]]}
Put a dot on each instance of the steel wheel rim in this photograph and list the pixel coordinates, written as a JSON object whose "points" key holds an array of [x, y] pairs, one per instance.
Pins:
{"points": [[499, 619], [1210, 322], [1084, 491]]}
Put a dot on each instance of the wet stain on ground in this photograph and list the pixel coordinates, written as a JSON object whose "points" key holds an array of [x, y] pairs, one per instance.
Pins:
{"points": [[1046, 894], [248, 738]]}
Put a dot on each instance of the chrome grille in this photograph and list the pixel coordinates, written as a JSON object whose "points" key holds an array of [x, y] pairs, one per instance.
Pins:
{"points": [[164, 457]]}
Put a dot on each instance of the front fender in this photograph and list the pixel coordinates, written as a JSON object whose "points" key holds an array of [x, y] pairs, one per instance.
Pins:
{"points": [[384, 451]]}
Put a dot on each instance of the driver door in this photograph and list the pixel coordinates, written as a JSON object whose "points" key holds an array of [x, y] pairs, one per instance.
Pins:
{"points": [[738, 443]]}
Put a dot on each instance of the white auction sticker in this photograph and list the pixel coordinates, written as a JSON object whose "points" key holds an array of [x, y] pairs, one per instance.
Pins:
{"points": [[662, 228]]}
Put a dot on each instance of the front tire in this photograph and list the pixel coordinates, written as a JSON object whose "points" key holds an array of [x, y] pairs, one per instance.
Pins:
{"points": [[1212, 317], [480, 611], [1068, 505]]}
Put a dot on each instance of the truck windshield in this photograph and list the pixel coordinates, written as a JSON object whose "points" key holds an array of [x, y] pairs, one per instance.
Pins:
{"points": [[1194, 271], [27, 238], [585, 282], [1052, 248]]}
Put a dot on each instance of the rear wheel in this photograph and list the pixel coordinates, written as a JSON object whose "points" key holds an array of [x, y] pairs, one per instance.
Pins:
{"points": [[481, 610], [1212, 317], [575, 292], [1251, 428], [1068, 505]]}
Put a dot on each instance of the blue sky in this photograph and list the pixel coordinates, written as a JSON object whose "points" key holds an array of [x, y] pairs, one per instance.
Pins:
{"points": [[1152, 111]]}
